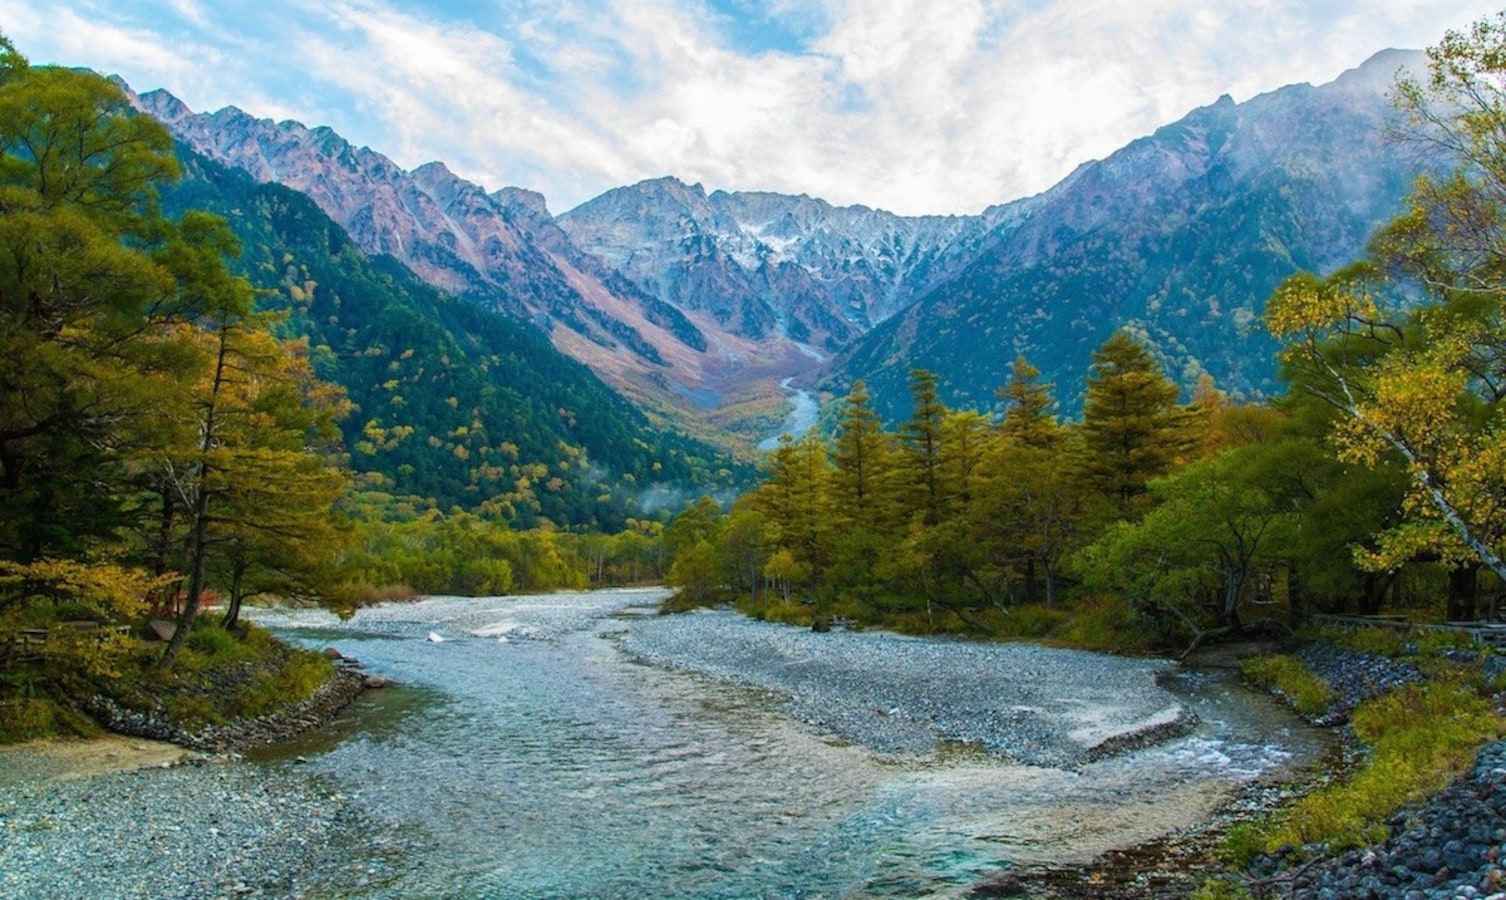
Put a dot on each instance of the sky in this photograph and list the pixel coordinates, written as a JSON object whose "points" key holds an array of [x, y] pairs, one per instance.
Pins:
{"points": [[914, 106]]}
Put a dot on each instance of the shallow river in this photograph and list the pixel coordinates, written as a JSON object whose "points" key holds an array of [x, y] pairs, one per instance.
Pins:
{"points": [[527, 754]]}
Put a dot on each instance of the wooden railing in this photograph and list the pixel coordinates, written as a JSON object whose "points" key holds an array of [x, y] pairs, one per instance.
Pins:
{"points": [[30, 643], [1484, 633]]}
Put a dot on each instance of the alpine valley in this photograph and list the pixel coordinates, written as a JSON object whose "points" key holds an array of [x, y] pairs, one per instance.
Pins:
{"points": [[697, 306]]}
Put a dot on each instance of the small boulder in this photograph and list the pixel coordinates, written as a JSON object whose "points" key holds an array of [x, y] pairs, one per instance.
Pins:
{"points": [[374, 682], [332, 653]]}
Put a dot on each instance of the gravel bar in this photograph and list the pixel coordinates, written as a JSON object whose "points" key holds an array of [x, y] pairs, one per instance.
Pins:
{"points": [[236, 830], [899, 695]]}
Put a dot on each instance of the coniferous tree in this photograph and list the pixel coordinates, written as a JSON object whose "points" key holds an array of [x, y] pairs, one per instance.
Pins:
{"points": [[1028, 421], [862, 458], [921, 437], [1132, 428]]}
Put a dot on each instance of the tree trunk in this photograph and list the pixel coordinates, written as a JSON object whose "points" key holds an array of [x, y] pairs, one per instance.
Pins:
{"points": [[164, 528], [1463, 593], [233, 610], [195, 582], [1231, 601], [200, 512], [1029, 576], [1373, 591]]}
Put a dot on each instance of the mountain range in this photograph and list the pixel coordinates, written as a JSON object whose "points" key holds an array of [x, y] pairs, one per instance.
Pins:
{"points": [[698, 305]]}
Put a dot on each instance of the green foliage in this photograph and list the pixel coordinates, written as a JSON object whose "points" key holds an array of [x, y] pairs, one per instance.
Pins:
{"points": [[1153, 523], [1408, 345], [1032, 621], [1242, 843], [29, 718], [462, 553], [1421, 737], [1393, 642], [298, 679], [1221, 888], [1307, 693], [1132, 429], [1110, 625]]}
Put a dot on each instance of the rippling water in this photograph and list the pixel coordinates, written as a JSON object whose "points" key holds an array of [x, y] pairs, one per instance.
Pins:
{"points": [[526, 756]]}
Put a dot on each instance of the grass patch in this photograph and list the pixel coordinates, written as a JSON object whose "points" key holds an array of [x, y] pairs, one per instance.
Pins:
{"points": [[268, 692], [219, 676], [1033, 621], [28, 718], [1108, 625], [1393, 642], [1307, 693], [785, 611], [1421, 737]]}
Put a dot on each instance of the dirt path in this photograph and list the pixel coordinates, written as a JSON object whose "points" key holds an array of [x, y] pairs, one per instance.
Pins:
{"points": [[49, 760]]}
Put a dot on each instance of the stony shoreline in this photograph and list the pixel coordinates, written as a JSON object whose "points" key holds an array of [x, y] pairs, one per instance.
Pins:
{"points": [[252, 831], [141, 821], [899, 695], [1450, 846], [240, 734]]}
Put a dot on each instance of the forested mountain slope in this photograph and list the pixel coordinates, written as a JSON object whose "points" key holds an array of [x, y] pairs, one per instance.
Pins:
{"points": [[1178, 237], [453, 402]]}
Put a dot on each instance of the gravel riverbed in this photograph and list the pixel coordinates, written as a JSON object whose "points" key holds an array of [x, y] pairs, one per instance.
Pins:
{"points": [[902, 695], [219, 826], [206, 829]]}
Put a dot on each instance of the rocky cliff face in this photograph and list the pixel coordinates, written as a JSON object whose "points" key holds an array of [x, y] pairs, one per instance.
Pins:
{"points": [[764, 263], [502, 249]]}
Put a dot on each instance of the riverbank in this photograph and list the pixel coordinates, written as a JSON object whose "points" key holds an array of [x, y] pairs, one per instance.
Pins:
{"points": [[64, 759], [200, 829], [237, 734], [675, 756], [894, 694], [1451, 844]]}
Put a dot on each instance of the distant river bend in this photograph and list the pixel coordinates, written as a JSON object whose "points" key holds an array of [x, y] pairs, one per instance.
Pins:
{"points": [[802, 417]]}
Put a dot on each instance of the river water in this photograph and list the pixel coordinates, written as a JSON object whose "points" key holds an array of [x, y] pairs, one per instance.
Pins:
{"points": [[529, 753], [802, 417]]}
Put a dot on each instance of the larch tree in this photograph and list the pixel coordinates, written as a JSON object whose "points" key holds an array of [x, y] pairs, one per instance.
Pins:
{"points": [[863, 461], [1132, 428], [1409, 344], [921, 437], [1028, 420]]}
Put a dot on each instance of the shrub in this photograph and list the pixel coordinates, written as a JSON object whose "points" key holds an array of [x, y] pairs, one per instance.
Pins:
{"points": [[1108, 624], [1030, 621], [296, 681], [1421, 737], [192, 710], [211, 640], [1307, 693], [1242, 843], [26, 718]]}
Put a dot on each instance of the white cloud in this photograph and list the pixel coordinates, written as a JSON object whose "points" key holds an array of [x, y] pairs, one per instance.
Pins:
{"points": [[939, 107]]}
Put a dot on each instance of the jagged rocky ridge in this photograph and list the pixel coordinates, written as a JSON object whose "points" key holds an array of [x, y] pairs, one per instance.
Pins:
{"points": [[698, 301], [1179, 237], [501, 250], [764, 263]]}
